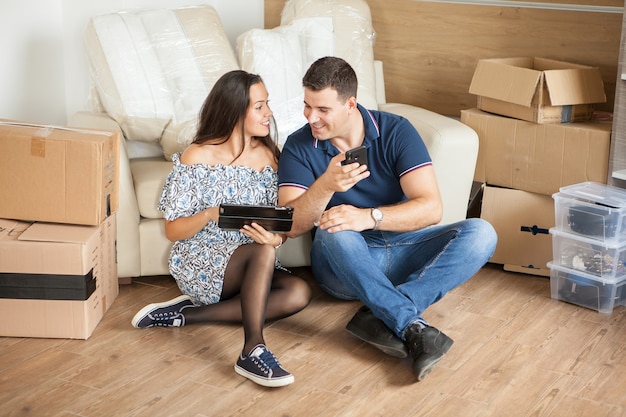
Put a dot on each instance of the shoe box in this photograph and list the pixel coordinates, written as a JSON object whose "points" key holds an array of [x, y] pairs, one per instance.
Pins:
{"points": [[589, 246], [56, 280]]}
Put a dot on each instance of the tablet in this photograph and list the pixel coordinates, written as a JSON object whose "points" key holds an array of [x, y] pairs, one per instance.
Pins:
{"points": [[277, 219]]}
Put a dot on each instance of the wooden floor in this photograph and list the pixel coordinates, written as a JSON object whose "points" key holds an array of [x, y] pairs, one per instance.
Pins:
{"points": [[516, 353]]}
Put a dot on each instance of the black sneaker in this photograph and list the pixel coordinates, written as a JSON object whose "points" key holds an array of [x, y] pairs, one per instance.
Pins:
{"points": [[166, 314], [373, 331], [262, 367], [427, 346]]}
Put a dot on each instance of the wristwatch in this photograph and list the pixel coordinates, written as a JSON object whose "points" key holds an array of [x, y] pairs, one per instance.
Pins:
{"points": [[377, 215]]}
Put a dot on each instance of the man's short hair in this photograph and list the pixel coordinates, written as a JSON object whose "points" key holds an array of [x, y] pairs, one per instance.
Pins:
{"points": [[332, 72]]}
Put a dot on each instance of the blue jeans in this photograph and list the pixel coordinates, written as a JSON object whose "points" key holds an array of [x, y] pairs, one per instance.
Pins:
{"points": [[399, 275]]}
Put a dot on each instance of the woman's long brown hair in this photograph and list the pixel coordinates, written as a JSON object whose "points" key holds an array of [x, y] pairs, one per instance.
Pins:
{"points": [[225, 106]]}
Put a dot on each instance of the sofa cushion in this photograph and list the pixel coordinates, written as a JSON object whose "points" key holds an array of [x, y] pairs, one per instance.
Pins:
{"points": [[354, 37], [177, 137], [149, 176], [281, 56], [154, 67]]}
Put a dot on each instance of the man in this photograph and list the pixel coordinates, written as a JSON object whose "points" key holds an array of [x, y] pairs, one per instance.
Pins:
{"points": [[375, 232]]}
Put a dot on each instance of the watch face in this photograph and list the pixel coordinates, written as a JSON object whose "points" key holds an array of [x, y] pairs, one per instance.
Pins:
{"points": [[377, 214]]}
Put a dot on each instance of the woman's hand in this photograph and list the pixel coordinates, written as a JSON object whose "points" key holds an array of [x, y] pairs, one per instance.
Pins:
{"points": [[257, 233]]}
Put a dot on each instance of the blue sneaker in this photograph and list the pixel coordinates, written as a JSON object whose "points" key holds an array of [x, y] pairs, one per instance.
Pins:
{"points": [[166, 314], [262, 367]]}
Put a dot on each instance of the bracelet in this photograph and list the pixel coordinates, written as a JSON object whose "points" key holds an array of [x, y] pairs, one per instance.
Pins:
{"points": [[280, 244]]}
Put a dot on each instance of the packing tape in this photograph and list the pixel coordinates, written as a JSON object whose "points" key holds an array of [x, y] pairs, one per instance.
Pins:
{"points": [[38, 142]]}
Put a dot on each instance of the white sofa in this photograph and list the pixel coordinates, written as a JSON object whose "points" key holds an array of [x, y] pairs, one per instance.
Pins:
{"points": [[155, 107]]}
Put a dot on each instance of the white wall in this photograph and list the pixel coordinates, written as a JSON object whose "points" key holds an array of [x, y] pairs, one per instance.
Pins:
{"points": [[44, 75]]}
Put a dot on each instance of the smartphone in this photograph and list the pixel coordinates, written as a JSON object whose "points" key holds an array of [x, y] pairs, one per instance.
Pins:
{"points": [[358, 154]]}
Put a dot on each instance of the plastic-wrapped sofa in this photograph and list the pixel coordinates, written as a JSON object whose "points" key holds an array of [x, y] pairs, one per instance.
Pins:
{"points": [[152, 69]]}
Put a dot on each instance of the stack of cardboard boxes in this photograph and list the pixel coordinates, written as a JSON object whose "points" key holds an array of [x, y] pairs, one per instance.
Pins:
{"points": [[537, 133], [58, 269]]}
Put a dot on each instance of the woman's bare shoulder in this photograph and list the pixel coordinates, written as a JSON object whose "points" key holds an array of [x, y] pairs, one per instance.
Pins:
{"points": [[195, 154]]}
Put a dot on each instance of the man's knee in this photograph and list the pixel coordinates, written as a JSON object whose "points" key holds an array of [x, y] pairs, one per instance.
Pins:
{"points": [[338, 240], [486, 233], [483, 235]]}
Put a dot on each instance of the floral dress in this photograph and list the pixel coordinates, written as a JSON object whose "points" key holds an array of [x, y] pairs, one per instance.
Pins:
{"points": [[198, 264]]}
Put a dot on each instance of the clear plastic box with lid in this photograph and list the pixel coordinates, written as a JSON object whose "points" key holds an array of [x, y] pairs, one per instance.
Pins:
{"points": [[600, 259], [593, 210], [586, 290]]}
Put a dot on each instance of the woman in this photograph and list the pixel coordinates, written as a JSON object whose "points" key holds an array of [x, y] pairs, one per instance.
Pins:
{"points": [[228, 276]]}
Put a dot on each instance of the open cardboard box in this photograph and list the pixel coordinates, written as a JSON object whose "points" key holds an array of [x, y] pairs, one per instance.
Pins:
{"points": [[537, 89], [522, 221]]}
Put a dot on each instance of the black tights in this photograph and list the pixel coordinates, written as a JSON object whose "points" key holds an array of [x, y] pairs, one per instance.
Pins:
{"points": [[253, 291]]}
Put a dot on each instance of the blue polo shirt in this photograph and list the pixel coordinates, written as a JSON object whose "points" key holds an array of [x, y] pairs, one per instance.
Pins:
{"points": [[394, 148]]}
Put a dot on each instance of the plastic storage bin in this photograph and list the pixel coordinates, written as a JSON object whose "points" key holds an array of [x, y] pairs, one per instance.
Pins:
{"points": [[586, 290], [600, 259], [593, 210]]}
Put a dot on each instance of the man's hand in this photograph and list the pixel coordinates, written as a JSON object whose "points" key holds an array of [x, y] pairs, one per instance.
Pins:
{"points": [[309, 205], [346, 217], [340, 178]]}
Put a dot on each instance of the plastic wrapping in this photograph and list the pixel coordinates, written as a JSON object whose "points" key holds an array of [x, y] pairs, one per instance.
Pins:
{"points": [[154, 68], [354, 37], [281, 56]]}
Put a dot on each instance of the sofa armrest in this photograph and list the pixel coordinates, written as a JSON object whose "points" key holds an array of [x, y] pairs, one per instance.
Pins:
{"points": [[128, 254], [453, 147]]}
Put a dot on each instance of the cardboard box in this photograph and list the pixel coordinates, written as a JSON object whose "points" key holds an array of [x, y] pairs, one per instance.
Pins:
{"points": [[522, 221], [58, 174], [538, 158], [58, 249], [537, 89]]}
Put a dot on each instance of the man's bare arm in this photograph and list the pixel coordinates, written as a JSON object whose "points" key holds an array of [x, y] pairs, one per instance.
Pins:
{"points": [[310, 204], [308, 207], [422, 208]]}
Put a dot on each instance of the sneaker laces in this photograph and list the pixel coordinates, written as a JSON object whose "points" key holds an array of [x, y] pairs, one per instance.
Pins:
{"points": [[168, 319], [267, 358]]}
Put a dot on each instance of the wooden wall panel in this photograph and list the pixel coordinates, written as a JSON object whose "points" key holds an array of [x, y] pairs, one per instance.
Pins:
{"points": [[272, 12], [617, 159], [430, 49]]}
